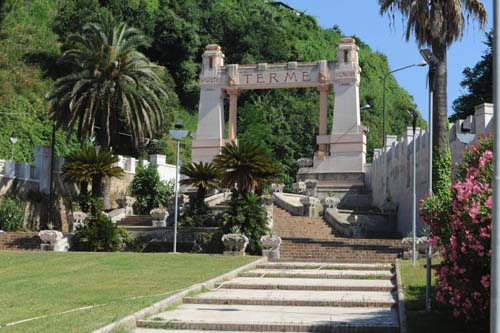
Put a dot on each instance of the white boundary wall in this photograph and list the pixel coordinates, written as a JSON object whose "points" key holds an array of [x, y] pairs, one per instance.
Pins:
{"points": [[399, 158], [40, 171]]}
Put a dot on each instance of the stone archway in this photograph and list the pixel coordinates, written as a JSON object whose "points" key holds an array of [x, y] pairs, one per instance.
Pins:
{"points": [[343, 150]]}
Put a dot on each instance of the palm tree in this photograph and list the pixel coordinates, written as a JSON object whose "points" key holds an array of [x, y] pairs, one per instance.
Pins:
{"points": [[437, 24], [91, 165], [112, 86], [202, 176], [246, 166]]}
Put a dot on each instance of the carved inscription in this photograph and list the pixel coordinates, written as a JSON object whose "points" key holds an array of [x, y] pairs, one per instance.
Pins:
{"points": [[275, 77]]}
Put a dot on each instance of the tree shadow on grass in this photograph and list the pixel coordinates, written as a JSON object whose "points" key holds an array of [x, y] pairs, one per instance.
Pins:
{"points": [[439, 320]]}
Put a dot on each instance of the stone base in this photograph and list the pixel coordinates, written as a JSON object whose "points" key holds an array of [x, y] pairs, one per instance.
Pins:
{"points": [[408, 255], [47, 247], [234, 253], [204, 150], [271, 254], [341, 177], [347, 153]]}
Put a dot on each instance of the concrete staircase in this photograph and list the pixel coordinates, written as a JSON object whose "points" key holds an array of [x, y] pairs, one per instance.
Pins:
{"points": [[136, 221], [290, 297], [312, 239]]}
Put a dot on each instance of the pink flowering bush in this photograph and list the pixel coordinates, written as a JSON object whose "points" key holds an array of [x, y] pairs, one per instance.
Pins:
{"points": [[461, 229]]}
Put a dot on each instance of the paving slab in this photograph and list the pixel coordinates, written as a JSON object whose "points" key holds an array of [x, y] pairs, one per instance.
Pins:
{"points": [[308, 284], [326, 266], [318, 274], [161, 330], [296, 298], [275, 318]]}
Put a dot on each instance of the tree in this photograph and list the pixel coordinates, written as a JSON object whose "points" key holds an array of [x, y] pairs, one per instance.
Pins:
{"points": [[202, 176], [91, 165], [437, 24], [149, 190], [111, 86], [246, 167], [478, 82]]}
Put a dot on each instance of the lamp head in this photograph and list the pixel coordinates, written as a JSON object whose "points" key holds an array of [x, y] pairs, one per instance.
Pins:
{"points": [[429, 57], [412, 113], [179, 124], [13, 138], [365, 107]]}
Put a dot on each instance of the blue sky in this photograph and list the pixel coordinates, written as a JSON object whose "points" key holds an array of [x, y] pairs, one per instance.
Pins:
{"points": [[362, 18]]}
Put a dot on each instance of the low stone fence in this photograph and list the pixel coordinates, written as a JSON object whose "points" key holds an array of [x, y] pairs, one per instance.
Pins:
{"points": [[289, 202], [19, 241]]}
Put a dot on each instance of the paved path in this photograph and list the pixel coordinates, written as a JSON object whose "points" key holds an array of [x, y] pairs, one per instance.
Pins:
{"points": [[290, 297]]}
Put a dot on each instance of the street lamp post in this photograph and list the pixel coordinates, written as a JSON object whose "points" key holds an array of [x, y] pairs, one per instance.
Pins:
{"points": [[13, 140], [178, 133], [420, 64], [414, 116], [495, 230], [432, 60]]}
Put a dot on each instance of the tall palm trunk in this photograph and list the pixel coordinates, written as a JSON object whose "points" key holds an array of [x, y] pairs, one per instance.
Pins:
{"points": [[96, 186], [441, 177]]}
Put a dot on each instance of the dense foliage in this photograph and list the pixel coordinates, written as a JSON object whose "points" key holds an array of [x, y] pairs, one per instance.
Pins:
{"points": [[247, 215], [202, 176], [89, 165], [110, 86], [478, 84], [246, 167], [461, 228], [283, 121], [11, 214], [100, 234], [149, 190]]}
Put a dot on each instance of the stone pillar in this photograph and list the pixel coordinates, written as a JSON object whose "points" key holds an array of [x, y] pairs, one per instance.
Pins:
{"points": [[323, 116], [209, 137], [348, 137], [233, 107], [42, 162]]}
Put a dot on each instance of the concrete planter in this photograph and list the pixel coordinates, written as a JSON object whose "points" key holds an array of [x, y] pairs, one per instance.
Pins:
{"points": [[271, 246], [159, 216], [234, 244]]}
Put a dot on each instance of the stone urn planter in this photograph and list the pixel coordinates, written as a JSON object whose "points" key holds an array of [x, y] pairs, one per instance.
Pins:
{"points": [[422, 245], [76, 219], [299, 188], [271, 246], [127, 203], [234, 244], [49, 239], [311, 205], [159, 217], [331, 202]]}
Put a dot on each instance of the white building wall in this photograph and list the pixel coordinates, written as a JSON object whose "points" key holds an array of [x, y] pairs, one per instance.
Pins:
{"points": [[397, 162]]}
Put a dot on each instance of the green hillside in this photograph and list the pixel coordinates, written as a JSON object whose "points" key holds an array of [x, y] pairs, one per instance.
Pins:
{"points": [[284, 121]]}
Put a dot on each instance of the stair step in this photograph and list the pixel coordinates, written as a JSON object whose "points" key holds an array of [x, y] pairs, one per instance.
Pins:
{"points": [[308, 284], [318, 274], [220, 317], [325, 266], [310, 298]]}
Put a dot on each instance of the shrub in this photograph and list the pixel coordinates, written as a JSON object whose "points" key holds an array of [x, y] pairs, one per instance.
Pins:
{"points": [[11, 214], [247, 213], [461, 228], [198, 214], [100, 234], [149, 190]]}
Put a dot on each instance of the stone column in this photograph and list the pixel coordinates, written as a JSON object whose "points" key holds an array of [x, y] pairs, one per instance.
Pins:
{"points": [[323, 114], [233, 106]]}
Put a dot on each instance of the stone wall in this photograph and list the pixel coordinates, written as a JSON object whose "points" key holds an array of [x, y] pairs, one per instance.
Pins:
{"points": [[19, 241], [390, 175]]}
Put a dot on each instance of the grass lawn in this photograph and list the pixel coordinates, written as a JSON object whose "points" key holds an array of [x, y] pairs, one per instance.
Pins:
{"points": [[440, 319], [43, 283]]}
